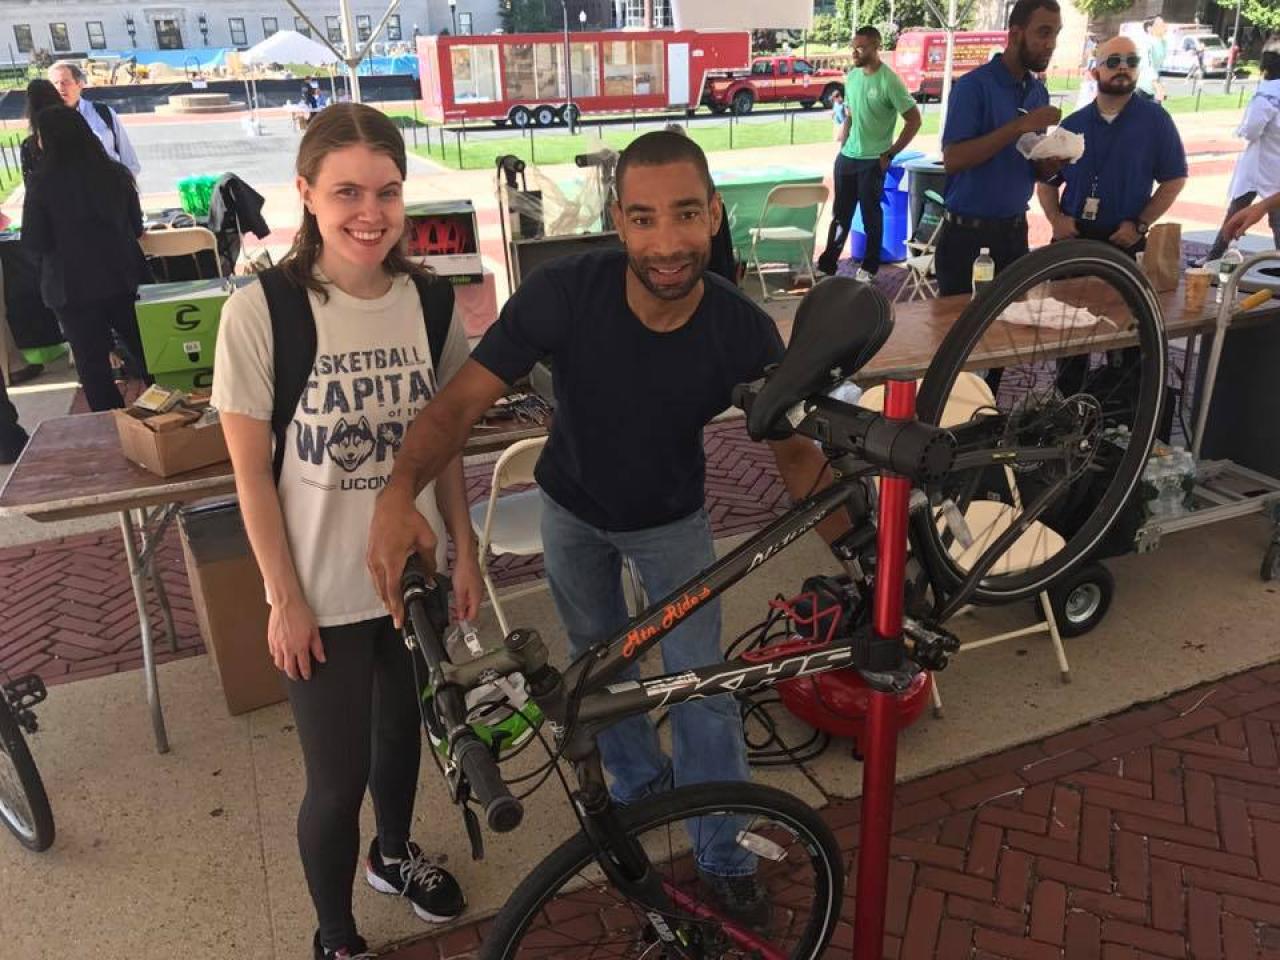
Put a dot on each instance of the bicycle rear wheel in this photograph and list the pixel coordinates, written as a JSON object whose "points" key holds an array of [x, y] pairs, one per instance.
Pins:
{"points": [[24, 805], [1072, 413], [568, 910]]}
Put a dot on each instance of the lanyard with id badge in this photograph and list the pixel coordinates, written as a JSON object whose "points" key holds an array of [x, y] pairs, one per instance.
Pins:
{"points": [[1104, 131]]}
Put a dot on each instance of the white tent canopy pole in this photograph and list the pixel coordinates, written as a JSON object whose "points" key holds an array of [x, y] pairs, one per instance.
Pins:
{"points": [[348, 35]]}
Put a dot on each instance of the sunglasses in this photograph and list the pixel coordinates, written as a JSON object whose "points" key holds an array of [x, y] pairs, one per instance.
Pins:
{"points": [[1130, 60]]}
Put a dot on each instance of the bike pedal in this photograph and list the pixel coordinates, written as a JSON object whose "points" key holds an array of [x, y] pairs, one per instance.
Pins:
{"points": [[25, 692]]}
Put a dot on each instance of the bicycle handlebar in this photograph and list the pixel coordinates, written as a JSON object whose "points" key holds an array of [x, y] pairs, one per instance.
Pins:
{"points": [[424, 601]]}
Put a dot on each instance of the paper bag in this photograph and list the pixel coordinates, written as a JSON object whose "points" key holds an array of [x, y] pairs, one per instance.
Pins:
{"points": [[1162, 261]]}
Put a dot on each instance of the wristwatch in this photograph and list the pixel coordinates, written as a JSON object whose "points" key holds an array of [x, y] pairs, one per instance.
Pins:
{"points": [[1142, 227]]}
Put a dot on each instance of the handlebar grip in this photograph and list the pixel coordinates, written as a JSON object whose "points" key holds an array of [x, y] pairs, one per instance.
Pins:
{"points": [[502, 811], [414, 575]]}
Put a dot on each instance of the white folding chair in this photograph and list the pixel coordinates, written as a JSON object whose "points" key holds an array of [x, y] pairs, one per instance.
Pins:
{"points": [[989, 519], [921, 248], [510, 524], [788, 196], [181, 242]]}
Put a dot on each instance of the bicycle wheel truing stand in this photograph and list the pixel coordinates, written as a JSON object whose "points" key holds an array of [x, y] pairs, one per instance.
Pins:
{"points": [[882, 667]]}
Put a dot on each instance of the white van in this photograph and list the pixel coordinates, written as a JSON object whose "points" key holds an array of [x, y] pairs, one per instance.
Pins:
{"points": [[1185, 44]]}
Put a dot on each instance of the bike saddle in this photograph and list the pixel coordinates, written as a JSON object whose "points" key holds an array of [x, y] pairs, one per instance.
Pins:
{"points": [[839, 326]]}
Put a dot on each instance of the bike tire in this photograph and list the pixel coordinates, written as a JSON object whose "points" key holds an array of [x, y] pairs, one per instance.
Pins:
{"points": [[550, 877], [1069, 261], [33, 826]]}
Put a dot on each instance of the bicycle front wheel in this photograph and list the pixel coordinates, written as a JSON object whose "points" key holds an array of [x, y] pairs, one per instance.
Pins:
{"points": [[24, 805], [567, 909], [1071, 348]]}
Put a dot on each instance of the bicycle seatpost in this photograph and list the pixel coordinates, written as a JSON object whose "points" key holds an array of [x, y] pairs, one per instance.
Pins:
{"points": [[880, 741]]}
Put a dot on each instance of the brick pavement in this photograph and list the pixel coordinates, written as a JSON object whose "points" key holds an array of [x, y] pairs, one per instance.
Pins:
{"points": [[68, 610], [1153, 833]]}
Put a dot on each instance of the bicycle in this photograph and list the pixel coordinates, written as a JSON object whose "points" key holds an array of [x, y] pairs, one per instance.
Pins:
{"points": [[24, 805], [1044, 463]]}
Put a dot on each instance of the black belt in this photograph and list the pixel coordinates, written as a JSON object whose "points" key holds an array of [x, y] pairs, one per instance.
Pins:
{"points": [[979, 223]]}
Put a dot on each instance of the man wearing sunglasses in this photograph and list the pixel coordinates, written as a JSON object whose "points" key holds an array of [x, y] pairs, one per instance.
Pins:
{"points": [[1130, 143]]}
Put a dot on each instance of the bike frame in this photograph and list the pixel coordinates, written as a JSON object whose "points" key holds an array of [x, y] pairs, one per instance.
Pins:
{"points": [[600, 702]]}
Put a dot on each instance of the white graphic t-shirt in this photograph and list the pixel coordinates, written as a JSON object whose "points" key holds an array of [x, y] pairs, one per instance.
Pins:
{"points": [[372, 374]]}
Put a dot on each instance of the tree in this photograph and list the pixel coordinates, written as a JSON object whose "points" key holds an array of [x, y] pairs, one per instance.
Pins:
{"points": [[1100, 8], [1263, 14], [527, 16]]}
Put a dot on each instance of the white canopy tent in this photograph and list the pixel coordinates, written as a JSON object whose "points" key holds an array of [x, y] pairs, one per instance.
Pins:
{"points": [[289, 46], [284, 46], [742, 14]]}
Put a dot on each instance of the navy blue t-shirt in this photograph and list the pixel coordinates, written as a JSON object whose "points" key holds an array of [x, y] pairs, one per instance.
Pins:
{"points": [[1121, 160], [625, 451]]}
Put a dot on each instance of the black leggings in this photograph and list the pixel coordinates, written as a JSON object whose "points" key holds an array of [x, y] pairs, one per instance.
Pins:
{"points": [[88, 328], [359, 725]]}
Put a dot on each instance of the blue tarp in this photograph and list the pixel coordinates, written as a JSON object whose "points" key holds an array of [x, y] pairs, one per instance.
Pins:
{"points": [[389, 66], [206, 57]]}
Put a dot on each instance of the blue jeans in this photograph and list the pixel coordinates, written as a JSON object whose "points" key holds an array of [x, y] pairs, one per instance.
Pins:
{"points": [[584, 565]]}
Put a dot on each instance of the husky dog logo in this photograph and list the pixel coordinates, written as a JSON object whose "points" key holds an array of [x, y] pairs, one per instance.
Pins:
{"points": [[351, 443]]}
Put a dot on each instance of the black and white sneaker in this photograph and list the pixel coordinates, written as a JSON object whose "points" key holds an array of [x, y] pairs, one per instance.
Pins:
{"points": [[434, 893], [356, 951], [740, 898]]}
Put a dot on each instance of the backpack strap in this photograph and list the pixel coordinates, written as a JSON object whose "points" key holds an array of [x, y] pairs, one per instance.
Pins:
{"points": [[293, 336], [104, 112], [436, 294], [293, 352]]}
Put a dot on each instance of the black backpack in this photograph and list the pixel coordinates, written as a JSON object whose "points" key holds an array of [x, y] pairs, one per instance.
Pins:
{"points": [[293, 324]]}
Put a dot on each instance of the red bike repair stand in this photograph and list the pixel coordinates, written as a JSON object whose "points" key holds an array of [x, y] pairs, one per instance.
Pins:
{"points": [[880, 742]]}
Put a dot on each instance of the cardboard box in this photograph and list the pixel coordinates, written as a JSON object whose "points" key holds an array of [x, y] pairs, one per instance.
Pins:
{"points": [[171, 451], [231, 607]]}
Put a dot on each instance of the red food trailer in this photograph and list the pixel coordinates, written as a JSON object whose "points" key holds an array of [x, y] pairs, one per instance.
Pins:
{"points": [[520, 77]]}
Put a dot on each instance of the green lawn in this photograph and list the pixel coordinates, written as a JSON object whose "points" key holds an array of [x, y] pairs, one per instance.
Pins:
{"points": [[545, 149], [10, 168]]}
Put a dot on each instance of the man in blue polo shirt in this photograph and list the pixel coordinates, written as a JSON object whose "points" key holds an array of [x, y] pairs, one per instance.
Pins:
{"points": [[988, 181], [1130, 143]]}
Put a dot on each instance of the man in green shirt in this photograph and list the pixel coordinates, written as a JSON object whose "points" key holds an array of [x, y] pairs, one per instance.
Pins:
{"points": [[874, 96]]}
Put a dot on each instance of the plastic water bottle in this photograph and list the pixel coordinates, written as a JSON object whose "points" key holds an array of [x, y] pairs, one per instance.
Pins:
{"points": [[1152, 476], [1186, 464], [984, 271], [1228, 265]]}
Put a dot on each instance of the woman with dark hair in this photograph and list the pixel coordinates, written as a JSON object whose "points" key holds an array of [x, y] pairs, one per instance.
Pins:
{"points": [[350, 677], [82, 217], [40, 95]]}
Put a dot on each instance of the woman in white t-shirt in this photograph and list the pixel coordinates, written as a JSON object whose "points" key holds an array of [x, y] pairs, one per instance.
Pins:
{"points": [[350, 679]]}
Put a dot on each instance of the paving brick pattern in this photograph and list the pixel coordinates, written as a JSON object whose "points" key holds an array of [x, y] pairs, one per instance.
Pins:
{"points": [[1154, 833], [68, 611]]}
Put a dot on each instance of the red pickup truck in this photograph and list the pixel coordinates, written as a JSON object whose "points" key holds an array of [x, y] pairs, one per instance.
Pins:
{"points": [[772, 80]]}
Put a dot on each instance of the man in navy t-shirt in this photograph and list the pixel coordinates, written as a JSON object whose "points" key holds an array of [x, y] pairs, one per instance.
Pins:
{"points": [[645, 348], [1130, 143]]}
